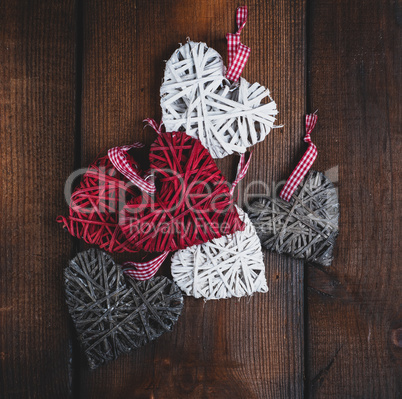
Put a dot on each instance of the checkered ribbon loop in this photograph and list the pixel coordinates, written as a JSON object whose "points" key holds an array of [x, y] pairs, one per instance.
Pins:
{"points": [[238, 53], [152, 123], [118, 157], [144, 270], [242, 169], [304, 164]]}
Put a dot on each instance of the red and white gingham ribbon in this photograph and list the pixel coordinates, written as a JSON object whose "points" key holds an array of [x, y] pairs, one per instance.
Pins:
{"points": [[304, 164], [152, 123], [238, 53], [242, 169], [145, 270], [117, 156]]}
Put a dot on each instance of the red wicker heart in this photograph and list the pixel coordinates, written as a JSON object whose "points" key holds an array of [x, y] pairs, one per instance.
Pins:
{"points": [[192, 204]]}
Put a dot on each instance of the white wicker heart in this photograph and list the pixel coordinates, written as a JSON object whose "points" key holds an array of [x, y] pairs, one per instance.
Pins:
{"points": [[225, 267], [197, 98]]}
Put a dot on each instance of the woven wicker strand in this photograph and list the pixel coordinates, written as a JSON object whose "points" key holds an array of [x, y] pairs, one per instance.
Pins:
{"points": [[230, 266], [197, 98], [306, 227], [114, 314]]}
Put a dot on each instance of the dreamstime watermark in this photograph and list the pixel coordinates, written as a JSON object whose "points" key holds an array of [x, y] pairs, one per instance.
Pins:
{"points": [[113, 196]]}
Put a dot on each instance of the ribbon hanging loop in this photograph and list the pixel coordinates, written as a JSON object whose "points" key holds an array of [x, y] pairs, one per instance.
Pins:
{"points": [[304, 164], [144, 270], [242, 169], [238, 53]]}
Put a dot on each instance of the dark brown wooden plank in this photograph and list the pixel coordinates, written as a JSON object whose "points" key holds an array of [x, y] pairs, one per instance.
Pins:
{"points": [[239, 349], [355, 80], [37, 78]]}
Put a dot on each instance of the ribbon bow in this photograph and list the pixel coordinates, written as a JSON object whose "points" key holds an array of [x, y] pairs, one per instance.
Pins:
{"points": [[238, 53], [304, 164]]}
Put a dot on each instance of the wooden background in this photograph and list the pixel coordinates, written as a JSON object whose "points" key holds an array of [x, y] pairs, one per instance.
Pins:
{"points": [[78, 76]]}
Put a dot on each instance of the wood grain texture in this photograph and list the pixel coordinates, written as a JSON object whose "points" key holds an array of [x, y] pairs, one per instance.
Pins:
{"points": [[355, 76], [252, 348], [53, 120], [37, 121]]}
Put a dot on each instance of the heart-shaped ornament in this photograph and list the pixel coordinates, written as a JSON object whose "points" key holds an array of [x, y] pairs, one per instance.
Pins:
{"points": [[197, 98], [304, 228], [114, 314], [192, 204], [230, 266]]}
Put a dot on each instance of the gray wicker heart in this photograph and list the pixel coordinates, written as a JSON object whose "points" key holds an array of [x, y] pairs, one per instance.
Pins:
{"points": [[306, 227], [112, 313], [197, 98]]}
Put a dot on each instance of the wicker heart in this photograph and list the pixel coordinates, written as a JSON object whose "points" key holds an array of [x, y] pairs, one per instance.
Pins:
{"points": [[114, 314], [192, 205], [306, 227], [230, 266], [197, 98]]}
